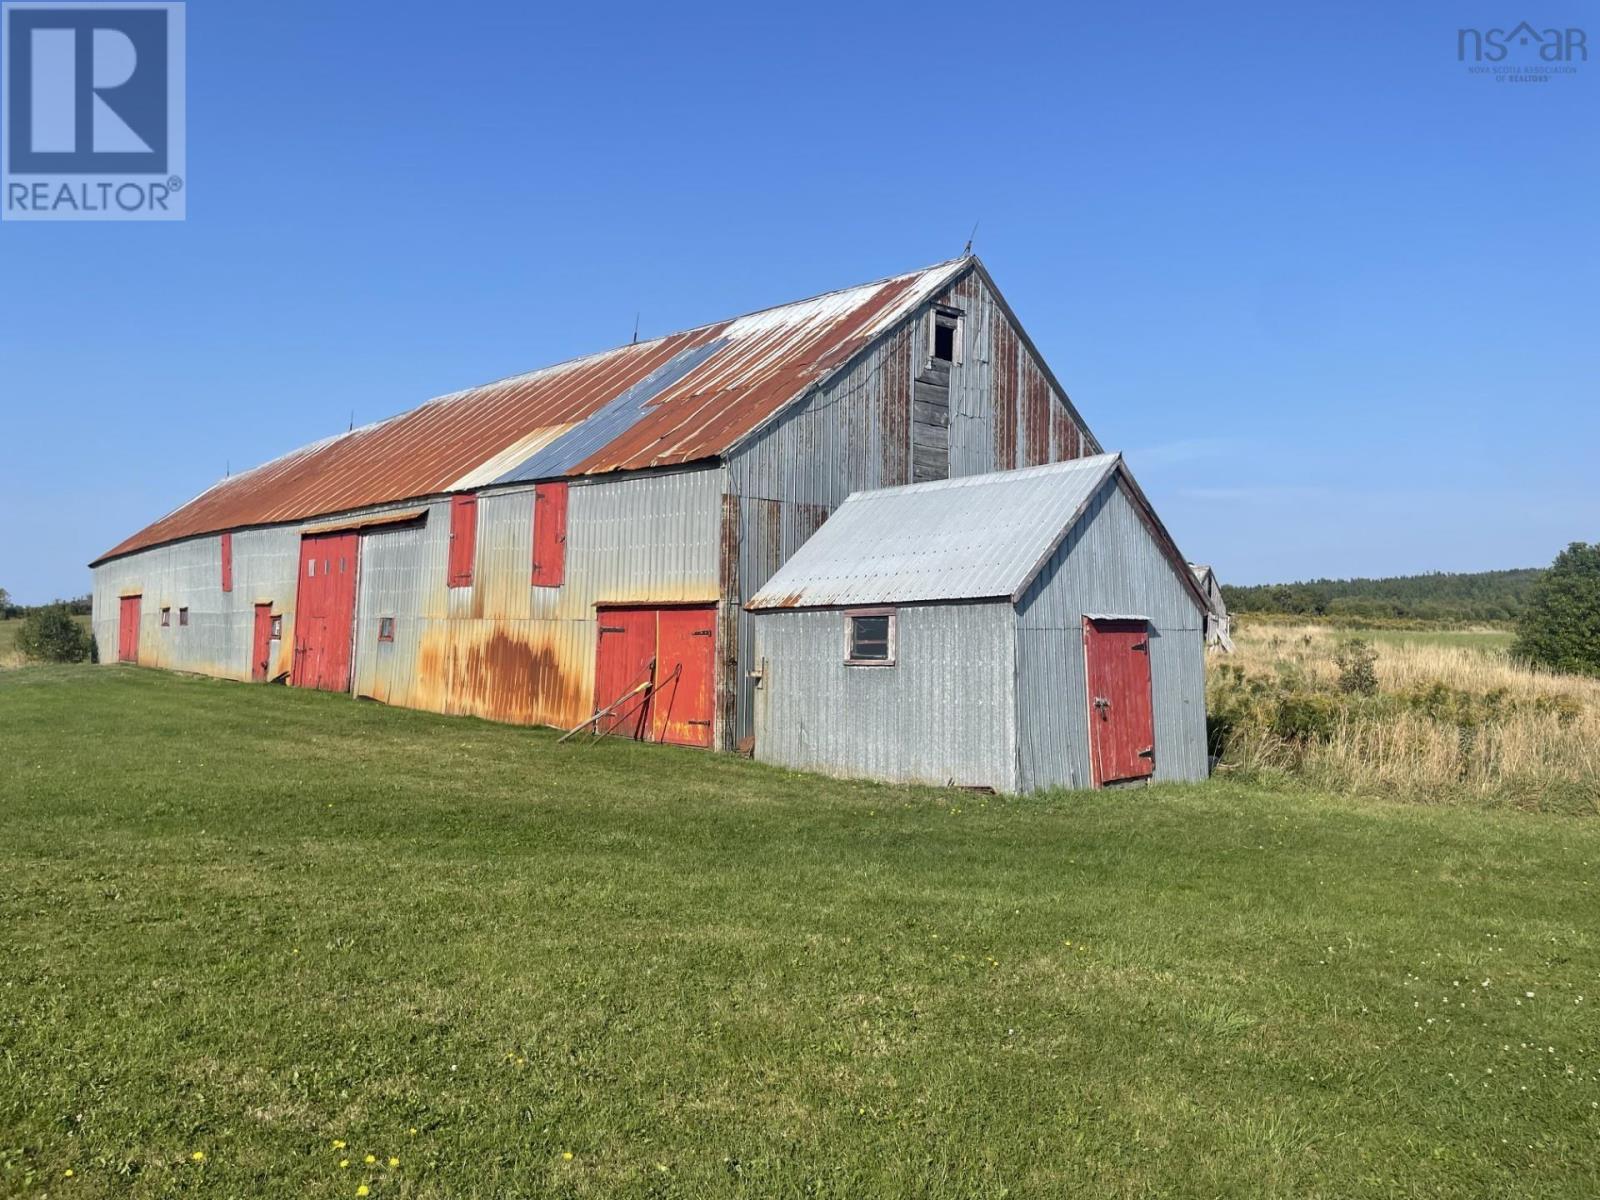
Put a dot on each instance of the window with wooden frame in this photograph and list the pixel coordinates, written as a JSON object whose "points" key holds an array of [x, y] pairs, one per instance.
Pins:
{"points": [[183, 616], [463, 539], [944, 336], [386, 629], [227, 562], [277, 627], [869, 637], [549, 534]]}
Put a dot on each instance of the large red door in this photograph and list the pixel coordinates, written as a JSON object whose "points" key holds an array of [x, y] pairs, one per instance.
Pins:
{"points": [[672, 649], [261, 647], [685, 674], [1121, 720], [128, 630], [325, 611], [623, 662]]}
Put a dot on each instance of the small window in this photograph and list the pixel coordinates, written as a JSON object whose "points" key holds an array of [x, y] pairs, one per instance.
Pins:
{"points": [[166, 617], [871, 636], [183, 616], [311, 568], [386, 629], [277, 628], [945, 339]]}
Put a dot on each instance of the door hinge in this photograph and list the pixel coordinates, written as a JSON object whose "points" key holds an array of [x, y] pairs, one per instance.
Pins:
{"points": [[1143, 647], [701, 633], [1148, 752]]}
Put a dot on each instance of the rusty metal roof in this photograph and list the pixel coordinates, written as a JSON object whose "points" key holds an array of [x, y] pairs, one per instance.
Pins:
{"points": [[677, 399]]}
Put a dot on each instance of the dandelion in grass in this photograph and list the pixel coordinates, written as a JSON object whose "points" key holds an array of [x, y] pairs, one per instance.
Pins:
{"points": [[393, 1161], [412, 1132], [344, 1164], [338, 1143], [370, 1159], [198, 1156], [68, 1173], [566, 1156], [363, 1190]]}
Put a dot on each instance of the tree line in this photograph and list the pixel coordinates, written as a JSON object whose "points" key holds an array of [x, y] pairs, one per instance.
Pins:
{"points": [[1441, 596]]}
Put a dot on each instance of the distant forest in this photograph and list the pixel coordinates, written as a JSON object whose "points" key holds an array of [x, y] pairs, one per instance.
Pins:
{"points": [[1441, 596]]}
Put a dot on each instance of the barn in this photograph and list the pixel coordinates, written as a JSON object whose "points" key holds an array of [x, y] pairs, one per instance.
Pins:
{"points": [[1013, 631], [533, 549]]}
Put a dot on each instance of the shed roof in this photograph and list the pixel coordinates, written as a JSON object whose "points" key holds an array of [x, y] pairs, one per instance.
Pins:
{"points": [[975, 537], [676, 399]]}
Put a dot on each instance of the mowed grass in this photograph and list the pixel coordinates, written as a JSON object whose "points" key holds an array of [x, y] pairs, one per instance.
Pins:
{"points": [[280, 930]]}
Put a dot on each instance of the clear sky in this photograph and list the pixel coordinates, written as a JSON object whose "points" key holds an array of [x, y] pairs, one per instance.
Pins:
{"points": [[1337, 299]]}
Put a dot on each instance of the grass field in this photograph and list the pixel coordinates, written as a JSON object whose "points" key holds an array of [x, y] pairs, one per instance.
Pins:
{"points": [[1447, 717], [250, 933]]}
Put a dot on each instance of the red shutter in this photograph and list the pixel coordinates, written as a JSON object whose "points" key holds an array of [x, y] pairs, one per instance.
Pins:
{"points": [[463, 539], [549, 534], [227, 562]]}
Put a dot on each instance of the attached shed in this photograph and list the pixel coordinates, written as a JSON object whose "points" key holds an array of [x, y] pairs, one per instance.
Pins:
{"points": [[1019, 630], [1219, 625]]}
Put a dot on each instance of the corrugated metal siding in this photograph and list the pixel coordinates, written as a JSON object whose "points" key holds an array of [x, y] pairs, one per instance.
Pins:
{"points": [[501, 648], [509, 651], [956, 539], [942, 714], [1108, 564], [217, 640]]}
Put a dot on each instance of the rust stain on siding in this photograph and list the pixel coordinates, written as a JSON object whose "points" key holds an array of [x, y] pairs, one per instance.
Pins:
{"points": [[895, 424], [487, 671], [1036, 415], [1005, 397]]}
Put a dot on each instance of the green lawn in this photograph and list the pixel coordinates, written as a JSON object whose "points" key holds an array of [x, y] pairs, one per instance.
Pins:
{"points": [[247, 923]]}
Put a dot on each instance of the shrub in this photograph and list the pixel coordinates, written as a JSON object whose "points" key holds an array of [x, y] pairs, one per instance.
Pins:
{"points": [[49, 634], [1358, 667], [1560, 628]]}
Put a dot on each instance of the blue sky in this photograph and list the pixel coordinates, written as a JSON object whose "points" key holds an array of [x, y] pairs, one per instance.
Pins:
{"points": [[1335, 298]]}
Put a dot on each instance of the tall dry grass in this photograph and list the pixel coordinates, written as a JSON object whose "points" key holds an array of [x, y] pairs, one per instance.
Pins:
{"points": [[1446, 724]]}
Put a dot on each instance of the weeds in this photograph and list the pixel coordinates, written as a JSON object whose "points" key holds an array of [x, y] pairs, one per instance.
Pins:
{"points": [[1426, 722]]}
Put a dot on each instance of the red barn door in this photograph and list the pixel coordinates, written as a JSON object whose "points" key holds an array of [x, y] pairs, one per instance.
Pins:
{"points": [[685, 674], [622, 663], [261, 651], [1121, 718], [325, 611], [674, 649], [128, 630]]}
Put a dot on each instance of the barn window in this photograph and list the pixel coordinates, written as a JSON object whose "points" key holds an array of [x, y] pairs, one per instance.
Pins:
{"points": [[871, 637], [463, 539], [183, 616], [945, 336], [166, 617], [227, 562], [386, 629], [277, 628], [549, 534]]}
